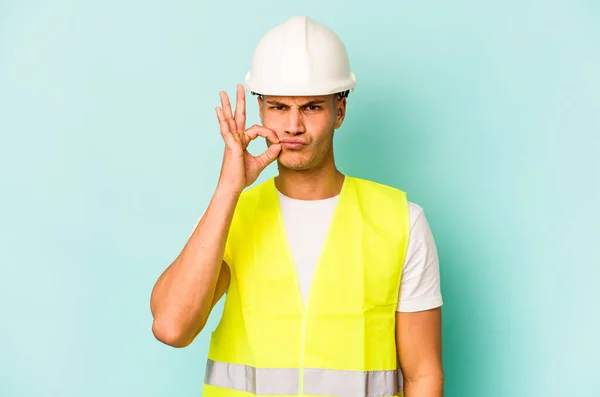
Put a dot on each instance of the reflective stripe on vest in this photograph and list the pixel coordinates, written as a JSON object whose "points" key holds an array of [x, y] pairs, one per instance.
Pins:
{"points": [[259, 381], [284, 381]]}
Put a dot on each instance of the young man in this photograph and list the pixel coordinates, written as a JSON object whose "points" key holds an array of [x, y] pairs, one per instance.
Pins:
{"points": [[332, 281]]}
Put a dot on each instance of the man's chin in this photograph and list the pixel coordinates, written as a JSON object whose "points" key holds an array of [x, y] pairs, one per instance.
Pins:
{"points": [[295, 164]]}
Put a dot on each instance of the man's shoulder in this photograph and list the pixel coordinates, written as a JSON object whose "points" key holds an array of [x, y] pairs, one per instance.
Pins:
{"points": [[254, 191], [375, 187], [415, 211]]}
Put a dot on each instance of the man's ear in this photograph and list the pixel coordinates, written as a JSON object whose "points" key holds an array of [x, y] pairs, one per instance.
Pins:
{"points": [[341, 112]]}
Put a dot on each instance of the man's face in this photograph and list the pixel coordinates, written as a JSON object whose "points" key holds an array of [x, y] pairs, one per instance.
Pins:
{"points": [[305, 127]]}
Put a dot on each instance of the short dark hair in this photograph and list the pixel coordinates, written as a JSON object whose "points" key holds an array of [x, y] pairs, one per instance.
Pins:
{"points": [[340, 95]]}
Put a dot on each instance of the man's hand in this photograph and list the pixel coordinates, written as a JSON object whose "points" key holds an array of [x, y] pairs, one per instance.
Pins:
{"points": [[240, 169]]}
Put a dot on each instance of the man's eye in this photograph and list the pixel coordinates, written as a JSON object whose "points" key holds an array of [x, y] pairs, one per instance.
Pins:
{"points": [[278, 107], [313, 107]]}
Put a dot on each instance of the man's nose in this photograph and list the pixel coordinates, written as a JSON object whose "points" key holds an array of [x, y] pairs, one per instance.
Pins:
{"points": [[295, 122]]}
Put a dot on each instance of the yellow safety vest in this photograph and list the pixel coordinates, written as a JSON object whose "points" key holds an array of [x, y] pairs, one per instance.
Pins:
{"points": [[342, 342]]}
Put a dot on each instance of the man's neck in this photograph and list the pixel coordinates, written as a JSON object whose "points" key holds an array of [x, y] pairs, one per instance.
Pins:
{"points": [[310, 185]]}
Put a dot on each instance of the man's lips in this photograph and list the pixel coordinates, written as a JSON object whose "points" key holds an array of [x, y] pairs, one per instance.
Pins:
{"points": [[292, 143]]}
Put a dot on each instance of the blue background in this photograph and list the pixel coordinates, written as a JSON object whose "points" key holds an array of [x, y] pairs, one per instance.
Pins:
{"points": [[486, 113]]}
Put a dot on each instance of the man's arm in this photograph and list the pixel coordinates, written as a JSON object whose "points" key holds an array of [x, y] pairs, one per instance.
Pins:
{"points": [[419, 343], [186, 292]]}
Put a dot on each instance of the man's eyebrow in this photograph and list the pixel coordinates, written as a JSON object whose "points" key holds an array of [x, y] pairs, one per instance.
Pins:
{"points": [[314, 102], [309, 103], [276, 103]]}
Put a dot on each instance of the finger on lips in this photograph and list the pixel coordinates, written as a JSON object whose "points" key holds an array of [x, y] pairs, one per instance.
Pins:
{"points": [[257, 130]]}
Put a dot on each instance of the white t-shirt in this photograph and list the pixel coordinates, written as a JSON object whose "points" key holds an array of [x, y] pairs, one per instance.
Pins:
{"points": [[306, 224]]}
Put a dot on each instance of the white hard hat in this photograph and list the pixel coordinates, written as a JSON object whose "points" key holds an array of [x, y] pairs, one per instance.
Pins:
{"points": [[300, 58]]}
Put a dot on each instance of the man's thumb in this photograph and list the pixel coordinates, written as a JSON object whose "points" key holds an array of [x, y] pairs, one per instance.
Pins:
{"points": [[269, 155]]}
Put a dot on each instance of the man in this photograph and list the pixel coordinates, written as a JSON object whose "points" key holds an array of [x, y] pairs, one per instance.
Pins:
{"points": [[331, 281]]}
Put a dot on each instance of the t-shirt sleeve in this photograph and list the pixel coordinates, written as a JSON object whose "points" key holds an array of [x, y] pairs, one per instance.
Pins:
{"points": [[420, 285]]}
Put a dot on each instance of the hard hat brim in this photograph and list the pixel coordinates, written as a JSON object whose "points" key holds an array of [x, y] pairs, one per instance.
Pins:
{"points": [[287, 89]]}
